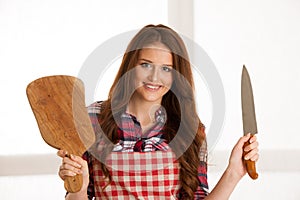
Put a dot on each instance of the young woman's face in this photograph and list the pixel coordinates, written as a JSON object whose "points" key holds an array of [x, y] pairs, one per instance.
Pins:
{"points": [[153, 73]]}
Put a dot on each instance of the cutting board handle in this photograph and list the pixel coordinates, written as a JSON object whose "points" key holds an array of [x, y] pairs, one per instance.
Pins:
{"points": [[73, 183], [250, 165]]}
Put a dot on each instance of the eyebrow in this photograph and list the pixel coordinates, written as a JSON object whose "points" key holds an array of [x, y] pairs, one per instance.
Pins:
{"points": [[146, 60]]}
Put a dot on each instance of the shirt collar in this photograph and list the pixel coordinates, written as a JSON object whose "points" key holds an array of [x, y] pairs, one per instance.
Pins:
{"points": [[160, 115]]}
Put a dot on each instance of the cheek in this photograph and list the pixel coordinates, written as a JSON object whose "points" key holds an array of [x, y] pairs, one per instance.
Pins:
{"points": [[168, 81], [139, 76]]}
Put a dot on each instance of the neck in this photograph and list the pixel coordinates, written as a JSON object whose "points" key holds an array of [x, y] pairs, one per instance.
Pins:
{"points": [[143, 111]]}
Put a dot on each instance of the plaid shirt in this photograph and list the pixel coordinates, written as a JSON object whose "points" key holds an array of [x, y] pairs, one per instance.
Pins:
{"points": [[141, 165]]}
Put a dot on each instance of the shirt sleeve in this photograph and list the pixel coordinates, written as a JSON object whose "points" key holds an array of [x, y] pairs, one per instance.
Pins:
{"points": [[90, 189], [93, 110], [202, 190]]}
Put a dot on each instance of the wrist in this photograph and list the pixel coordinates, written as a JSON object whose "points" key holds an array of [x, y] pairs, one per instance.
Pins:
{"points": [[226, 185], [232, 175]]}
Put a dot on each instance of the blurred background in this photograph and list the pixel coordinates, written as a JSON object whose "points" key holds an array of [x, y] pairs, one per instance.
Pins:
{"points": [[41, 38]]}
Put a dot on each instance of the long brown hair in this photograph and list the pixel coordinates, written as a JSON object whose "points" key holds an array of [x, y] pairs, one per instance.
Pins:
{"points": [[179, 103]]}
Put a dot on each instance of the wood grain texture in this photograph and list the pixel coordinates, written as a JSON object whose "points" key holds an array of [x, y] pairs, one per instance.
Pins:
{"points": [[58, 104]]}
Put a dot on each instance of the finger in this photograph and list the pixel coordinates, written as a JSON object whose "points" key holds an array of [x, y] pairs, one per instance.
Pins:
{"points": [[66, 170], [62, 153], [63, 173], [253, 138], [78, 160], [251, 155], [75, 168], [251, 146], [255, 158], [69, 162], [242, 140], [66, 173]]}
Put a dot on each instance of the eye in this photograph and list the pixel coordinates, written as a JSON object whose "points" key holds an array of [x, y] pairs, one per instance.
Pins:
{"points": [[167, 68], [146, 65]]}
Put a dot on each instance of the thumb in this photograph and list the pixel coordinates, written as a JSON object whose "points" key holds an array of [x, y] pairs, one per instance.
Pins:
{"points": [[241, 141], [244, 139], [62, 153]]}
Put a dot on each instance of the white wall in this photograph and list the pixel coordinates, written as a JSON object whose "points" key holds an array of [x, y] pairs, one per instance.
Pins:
{"points": [[39, 38], [263, 35]]}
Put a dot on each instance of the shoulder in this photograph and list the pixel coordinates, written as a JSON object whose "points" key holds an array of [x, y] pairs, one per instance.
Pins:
{"points": [[96, 107]]}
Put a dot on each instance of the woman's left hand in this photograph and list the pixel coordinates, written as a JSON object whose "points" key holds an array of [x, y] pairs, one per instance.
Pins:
{"points": [[236, 163]]}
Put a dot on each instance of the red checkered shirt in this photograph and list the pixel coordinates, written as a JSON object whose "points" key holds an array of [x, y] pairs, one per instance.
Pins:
{"points": [[142, 166]]}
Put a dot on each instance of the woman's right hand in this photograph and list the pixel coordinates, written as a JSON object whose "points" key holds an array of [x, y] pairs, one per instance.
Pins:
{"points": [[236, 163], [73, 165]]}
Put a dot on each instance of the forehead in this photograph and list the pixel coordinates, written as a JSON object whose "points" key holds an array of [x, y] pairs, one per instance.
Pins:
{"points": [[156, 53]]}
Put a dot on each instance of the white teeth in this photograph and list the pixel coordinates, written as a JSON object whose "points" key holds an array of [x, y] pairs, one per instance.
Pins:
{"points": [[152, 87]]}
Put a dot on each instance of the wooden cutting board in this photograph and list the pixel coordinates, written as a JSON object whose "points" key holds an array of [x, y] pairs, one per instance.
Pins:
{"points": [[58, 104]]}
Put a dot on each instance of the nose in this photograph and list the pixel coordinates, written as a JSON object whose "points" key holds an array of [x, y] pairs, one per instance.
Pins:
{"points": [[154, 74]]}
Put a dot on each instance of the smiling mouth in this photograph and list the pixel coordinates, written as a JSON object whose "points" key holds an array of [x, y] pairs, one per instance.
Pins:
{"points": [[152, 87]]}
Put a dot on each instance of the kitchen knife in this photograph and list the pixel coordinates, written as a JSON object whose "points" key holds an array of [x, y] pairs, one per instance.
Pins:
{"points": [[249, 119]]}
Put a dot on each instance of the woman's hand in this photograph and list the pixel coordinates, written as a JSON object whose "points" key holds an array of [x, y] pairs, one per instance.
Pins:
{"points": [[73, 165], [236, 168], [236, 163]]}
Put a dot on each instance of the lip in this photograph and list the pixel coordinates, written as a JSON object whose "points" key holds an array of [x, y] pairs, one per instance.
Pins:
{"points": [[152, 87]]}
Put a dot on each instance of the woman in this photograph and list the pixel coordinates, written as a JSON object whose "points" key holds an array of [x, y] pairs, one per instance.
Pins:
{"points": [[150, 113]]}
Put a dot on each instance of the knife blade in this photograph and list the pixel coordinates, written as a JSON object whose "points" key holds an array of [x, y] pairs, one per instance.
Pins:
{"points": [[249, 117]]}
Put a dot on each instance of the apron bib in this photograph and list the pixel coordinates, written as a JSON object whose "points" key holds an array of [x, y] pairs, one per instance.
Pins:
{"points": [[138, 175]]}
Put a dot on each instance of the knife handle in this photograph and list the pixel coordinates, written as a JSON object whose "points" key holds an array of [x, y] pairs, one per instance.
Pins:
{"points": [[73, 183], [250, 165]]}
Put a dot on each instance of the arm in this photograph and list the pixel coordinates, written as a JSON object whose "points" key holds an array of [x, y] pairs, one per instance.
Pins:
{"points": [[235, 169], [70, 167]]}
